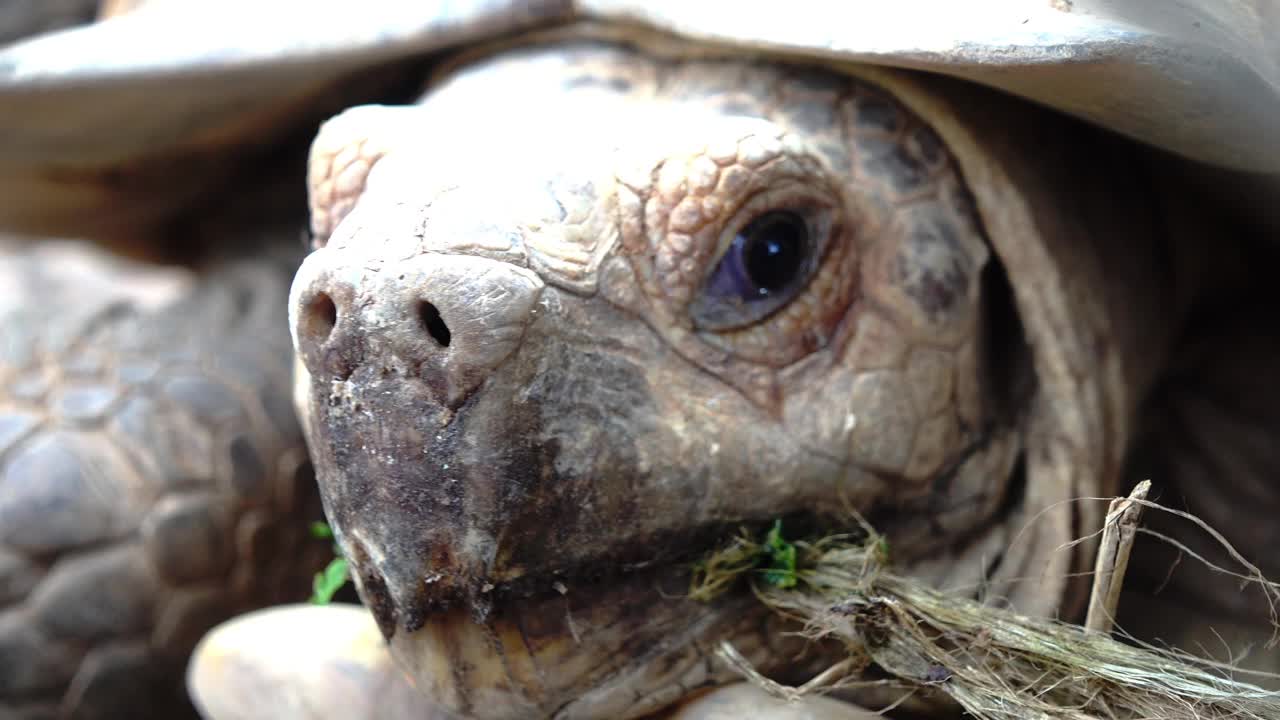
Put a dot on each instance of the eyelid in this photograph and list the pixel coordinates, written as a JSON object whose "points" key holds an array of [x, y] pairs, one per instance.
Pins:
{"points": [[797, 194]]}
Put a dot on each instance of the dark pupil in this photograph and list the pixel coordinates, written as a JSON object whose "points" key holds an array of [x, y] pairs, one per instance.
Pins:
{"points": [[773, 250]]}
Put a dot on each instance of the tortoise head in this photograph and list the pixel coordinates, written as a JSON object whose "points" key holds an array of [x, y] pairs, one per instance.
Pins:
{"points": [[582, 311]]}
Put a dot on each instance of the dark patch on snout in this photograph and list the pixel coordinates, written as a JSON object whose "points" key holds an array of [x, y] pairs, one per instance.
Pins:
{"points": [[393, 473], [538, 475], [581, 411]]}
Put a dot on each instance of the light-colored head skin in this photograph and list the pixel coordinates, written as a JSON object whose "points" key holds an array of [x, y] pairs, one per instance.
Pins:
{"points": [[515, 491]]}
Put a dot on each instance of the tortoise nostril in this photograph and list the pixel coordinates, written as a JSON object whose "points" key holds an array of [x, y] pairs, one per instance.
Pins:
{"points": [[434, 324], [320, 317]]}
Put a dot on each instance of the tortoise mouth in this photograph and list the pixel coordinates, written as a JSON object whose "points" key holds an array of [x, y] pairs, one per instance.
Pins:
{"points": [[600, 642], [492, 504], [601, 639], [664, 565]]}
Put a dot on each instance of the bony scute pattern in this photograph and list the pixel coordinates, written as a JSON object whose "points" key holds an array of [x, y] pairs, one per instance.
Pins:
{"points": [[146, 475]]}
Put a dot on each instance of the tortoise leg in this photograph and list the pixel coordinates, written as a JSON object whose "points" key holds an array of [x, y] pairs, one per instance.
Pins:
{"points": [[303, 662], [153, 478], [1211, 446]]}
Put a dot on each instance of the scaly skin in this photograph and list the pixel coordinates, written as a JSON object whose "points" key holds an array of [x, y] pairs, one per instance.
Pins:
{"points": [[152, 476], [515, 494]]}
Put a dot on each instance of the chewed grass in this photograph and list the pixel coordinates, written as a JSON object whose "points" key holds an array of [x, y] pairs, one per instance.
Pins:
{"points": [[993, 662]]}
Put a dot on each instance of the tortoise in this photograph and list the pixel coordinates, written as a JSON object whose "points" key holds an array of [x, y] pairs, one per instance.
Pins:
{"points": [[625, 277]]}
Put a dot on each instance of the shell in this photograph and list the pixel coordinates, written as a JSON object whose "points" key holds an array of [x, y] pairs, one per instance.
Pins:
{"points": [[100, 122]]}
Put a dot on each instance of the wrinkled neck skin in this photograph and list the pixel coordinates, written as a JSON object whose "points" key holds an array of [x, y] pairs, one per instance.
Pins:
{"points": [[531, 402]]}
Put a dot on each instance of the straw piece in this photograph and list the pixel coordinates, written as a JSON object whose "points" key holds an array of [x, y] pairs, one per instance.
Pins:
{"points": [[995, 663], [1119, 530]]}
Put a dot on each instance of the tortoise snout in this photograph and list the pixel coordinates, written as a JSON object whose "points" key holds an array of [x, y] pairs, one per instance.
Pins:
{"points": [[447, 320]]}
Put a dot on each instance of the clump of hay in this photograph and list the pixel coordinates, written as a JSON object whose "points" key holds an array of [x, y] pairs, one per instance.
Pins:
{"points": [[995, 663]]}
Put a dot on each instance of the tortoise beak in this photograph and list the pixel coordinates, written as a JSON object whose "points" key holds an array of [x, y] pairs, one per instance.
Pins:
{"points": [[408, 458]]}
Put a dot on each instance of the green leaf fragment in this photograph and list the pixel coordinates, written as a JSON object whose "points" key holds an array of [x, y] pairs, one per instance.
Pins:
{"points": [[329, 581], [781, 571], [882, 549], [321, 530]]}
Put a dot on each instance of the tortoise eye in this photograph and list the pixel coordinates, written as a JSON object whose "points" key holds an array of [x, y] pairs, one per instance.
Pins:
{"points": [[765, 266], [767, 255]]}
